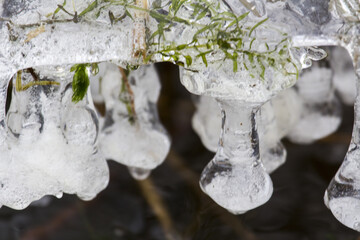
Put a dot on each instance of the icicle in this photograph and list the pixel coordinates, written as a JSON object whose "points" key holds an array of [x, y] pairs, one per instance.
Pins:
{"points": [[48, 152], [207, 119], [139, 173], [342, 196], [344, 75], [235, 178], [132, 133], [4, 82], [321, 113]]}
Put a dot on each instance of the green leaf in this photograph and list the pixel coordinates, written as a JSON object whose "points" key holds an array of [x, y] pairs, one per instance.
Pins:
{"points": [[203, 57], [257, 25], [158, 16], [202, 14], [80, 82], [91, 7], [129, 14], [181, 47], [58, 9], [188, 60]]}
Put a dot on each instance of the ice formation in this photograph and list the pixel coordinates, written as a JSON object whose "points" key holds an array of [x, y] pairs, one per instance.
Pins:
{"points": [[207, 119], [342, 195], [321, 111], [243, 53], [132, 134], [50, 145], [235, 178]]}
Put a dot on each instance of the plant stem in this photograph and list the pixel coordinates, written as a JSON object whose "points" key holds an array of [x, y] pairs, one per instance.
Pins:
{"points": [[125, 80], [139, 30]]}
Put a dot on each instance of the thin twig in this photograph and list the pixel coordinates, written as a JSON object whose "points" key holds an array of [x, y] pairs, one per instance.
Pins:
{"points": [[44, 230], [154, 200], [139, 30], [128, 90]]}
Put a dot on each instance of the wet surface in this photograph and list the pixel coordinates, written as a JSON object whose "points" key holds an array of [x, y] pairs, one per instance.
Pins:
{"points": [[170, 205]]}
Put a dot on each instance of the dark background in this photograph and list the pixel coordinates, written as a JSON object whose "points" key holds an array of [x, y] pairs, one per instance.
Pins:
{"points": [[170, 205]]}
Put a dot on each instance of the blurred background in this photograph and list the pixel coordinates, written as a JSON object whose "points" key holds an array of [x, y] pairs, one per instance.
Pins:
{"points": [[170, 205]]}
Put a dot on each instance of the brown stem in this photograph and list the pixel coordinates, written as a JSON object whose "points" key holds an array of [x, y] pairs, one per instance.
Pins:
{"points": [[139, 30], [154, 200], [128, 90]]}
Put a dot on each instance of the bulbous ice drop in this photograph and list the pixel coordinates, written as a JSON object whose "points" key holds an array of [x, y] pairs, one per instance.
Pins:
{"points": [[235, 178], [40, 159], [132, 133], [344, 75], [321, 112], [207, 121], [343, 194], [139, 173]]}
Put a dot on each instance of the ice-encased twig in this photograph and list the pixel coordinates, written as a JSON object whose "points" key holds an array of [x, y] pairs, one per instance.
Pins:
{"points": [[132, 133]]}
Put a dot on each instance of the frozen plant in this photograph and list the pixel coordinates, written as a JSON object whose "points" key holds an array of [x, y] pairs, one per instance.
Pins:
{"points": [[132, 133]]}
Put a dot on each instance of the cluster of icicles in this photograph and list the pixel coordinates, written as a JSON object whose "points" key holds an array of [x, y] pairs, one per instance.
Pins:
{"points": [[51, 146]]}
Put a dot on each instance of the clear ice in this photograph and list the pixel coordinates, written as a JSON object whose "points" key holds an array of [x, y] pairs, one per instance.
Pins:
{"points": [[133, 135], [235, 178], [342, 195], [207, 119]]}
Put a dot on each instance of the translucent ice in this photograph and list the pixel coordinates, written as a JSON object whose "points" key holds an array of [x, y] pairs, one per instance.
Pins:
{"points": [[342, 195], [288, 108], [321, 112], [207, 121], [235, 178], [344, 75], [132, 133], [47, 151]]}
